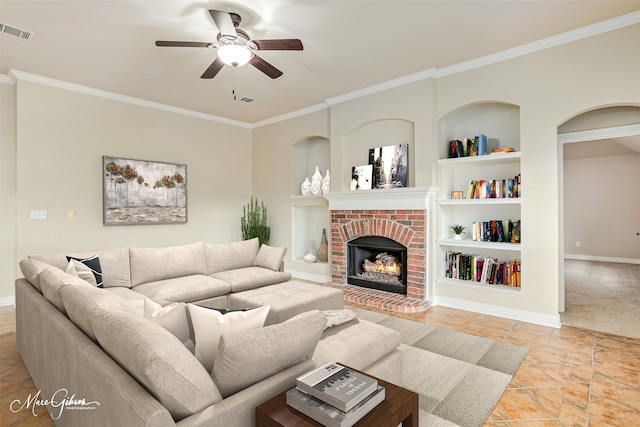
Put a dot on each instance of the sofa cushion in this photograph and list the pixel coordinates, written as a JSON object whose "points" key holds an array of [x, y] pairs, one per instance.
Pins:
{"points": [[244, 358], [154, 264], [172, 316], [83, 302], [210, 323], [53, 280], [30, 269], [157, 360], [270, 257], [134, 300], [357, 343], [229, 256], [185, 289], [114, 263], [242, 279]]}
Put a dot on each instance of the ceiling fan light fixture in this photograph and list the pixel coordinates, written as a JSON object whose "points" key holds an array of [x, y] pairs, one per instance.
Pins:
{"points": [[234, 55]]}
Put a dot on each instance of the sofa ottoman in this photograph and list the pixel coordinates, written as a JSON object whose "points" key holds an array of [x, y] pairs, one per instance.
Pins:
{"points": [[288, 299]]}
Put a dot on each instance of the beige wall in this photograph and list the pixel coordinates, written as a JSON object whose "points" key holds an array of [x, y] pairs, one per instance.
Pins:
{"points": [[602, 207], [61, 138]]}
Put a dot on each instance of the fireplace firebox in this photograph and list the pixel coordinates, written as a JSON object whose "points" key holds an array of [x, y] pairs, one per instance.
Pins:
{"points": [[377, 263]]}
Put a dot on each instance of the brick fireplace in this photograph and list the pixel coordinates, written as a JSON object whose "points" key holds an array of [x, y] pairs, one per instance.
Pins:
{"points": [[401, 215]]}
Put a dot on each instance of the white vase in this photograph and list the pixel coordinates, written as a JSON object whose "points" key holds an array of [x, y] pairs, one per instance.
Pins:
{"points": [[326, 183], [457, 236], [305, 188], [316, 183]]}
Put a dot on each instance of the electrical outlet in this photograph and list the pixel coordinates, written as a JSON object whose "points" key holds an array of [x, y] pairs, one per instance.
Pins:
{"points": [[38, 214], [71, 214], [577, 244]]}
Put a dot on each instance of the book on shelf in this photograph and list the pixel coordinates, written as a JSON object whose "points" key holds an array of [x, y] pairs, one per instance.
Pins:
{"points": [[508, 188], [482, 269], [337, 385], [328, 415], [505, 230]]}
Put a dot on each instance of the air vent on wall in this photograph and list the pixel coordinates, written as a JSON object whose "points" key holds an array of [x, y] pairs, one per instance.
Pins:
{"points": [[247, 100], [16, 32]]}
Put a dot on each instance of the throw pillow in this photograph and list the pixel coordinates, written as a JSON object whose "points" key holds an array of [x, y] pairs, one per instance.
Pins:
{"points": [[270, 257], [78, 269], [246, 358], [209, 325], [93, 264], [172, 317], [157, 360]]}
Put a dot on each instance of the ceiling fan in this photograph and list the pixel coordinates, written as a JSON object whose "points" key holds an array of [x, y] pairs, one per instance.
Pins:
{"points": [[235, 47]]}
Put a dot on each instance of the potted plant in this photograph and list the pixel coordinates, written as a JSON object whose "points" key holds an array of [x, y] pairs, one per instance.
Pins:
{"points": [[254, 222], [457, 229]]}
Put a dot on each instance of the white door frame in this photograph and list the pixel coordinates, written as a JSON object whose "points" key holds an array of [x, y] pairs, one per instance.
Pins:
{"points": [[568, 138]]}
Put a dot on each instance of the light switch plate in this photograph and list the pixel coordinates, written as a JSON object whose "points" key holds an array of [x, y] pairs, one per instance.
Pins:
{"points": [[38, 214]]}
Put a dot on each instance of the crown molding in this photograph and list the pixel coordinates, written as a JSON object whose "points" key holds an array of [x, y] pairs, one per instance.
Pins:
{"points": [[6, 79], [21, 75], [291, 115], [539, 45], [401, 81]]}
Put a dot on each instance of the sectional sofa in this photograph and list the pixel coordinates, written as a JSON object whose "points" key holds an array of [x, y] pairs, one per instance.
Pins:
{"points": [[113, 342]]}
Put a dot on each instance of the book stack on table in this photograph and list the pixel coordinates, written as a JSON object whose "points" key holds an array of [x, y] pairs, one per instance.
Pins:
{"points": [[335, 396]]}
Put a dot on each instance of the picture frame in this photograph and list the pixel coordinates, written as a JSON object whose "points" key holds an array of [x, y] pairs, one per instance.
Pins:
{"points": [[361, 177], [138, 192], [390, 165]]}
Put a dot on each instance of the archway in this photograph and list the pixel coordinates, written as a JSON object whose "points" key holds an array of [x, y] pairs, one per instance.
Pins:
{"points": [[599, 162]]}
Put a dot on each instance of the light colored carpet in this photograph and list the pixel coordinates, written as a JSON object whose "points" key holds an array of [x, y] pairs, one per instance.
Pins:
{"points": [[459, 377], [602, 296]]}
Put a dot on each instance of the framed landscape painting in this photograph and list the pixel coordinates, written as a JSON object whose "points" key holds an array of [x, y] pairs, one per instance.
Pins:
{"points": [[389, 165], [144, 192]]}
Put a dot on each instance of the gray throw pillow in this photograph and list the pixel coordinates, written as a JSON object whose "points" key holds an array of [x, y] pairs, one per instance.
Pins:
{"points": [[245, 358]]}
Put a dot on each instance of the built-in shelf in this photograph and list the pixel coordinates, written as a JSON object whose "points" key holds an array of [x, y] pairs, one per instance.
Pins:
{"points": [[471, 202], [476, 285], [468, 243]]}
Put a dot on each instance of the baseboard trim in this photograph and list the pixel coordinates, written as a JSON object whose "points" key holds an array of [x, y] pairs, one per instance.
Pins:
{"points": [[602, 259], [10, 300], [552, 321]]}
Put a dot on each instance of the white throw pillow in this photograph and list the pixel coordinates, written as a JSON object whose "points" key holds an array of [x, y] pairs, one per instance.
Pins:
{"points": [[209, 325], [78, 269], [172, 317]]}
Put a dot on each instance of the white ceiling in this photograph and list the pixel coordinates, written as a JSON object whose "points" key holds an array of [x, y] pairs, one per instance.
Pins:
{"points": [[348, 45]]}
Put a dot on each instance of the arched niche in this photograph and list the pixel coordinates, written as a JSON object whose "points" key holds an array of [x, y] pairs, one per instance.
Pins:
{"points": [[499, 121], [307, 154], [378, 133]]}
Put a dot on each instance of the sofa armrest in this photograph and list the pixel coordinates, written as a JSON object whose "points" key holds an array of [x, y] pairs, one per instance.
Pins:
{"points": [[238, 410]]}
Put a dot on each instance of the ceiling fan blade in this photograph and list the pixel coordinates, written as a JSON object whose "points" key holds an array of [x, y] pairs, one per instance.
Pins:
{"points": [[265, 67], [224, 22], [183, 44], [213, 69], [279, 44]]}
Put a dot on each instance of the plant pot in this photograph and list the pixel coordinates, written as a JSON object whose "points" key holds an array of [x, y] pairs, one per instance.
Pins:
{"points": [[457, 236]]}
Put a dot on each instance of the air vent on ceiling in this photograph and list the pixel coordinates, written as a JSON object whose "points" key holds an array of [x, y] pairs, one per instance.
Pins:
{"points": [[16, 32], [247, 100]]}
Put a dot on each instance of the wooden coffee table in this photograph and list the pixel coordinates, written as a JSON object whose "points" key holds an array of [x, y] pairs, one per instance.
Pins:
{"points": [[399, 406]]}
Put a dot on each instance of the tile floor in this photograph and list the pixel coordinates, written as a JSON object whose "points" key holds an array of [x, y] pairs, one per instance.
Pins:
{"points": [[571, 377]]}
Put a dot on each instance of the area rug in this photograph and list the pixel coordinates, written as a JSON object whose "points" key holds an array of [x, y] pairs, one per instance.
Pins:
{"points": [[459, 377]]}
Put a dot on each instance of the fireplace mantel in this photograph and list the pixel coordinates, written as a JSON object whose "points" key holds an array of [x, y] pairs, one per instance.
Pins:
{"points": [[382, 199]]}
